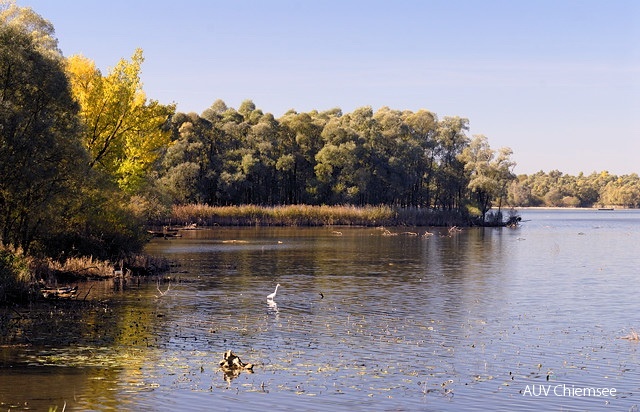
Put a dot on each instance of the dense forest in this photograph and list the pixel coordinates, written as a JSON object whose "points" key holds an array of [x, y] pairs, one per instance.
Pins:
{"points": [[86, 159], [400, 158]]}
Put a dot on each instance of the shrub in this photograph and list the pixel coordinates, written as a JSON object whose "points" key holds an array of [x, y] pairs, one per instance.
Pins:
{"points": [[15, 276]]}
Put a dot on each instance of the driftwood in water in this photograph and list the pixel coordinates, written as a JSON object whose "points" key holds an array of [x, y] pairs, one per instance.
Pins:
{"points": [[166, 232], [231, 364], [231, 361], [59, 293]]}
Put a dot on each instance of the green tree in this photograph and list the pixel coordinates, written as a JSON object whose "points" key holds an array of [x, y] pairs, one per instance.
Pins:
{"points": [[586, 191], [422, 139], [489, 174], [41, 156], [623, 191], [451, 179], [26, 20], [340, 177], [186, 166], [299, 142], [393, 167], [519, 192]]}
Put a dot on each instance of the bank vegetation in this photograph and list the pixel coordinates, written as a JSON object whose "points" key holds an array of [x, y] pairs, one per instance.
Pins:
{"points": [[196, 215]]}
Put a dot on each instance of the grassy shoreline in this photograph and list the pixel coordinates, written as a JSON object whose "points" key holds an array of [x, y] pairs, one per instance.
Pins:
{"points": [[23, 278], [307, 215]]}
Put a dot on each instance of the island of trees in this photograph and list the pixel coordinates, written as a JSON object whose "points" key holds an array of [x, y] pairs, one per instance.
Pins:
{"points": [[87, 160]]}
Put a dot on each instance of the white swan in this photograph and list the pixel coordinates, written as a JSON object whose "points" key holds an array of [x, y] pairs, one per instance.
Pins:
{"points": [[273, 295]]}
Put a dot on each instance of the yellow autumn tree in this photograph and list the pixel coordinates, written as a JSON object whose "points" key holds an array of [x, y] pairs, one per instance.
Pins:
{"points": [[123, 131]]}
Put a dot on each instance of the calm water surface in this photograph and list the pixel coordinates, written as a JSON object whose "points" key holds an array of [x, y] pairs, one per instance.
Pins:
{"points": [[486, 318]]}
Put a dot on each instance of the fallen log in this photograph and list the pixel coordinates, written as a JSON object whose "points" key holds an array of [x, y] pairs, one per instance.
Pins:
{"points": [[67, 292]]}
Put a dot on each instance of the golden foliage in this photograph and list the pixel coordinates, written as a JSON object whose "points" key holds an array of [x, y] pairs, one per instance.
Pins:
{"points": [[123, 131]]}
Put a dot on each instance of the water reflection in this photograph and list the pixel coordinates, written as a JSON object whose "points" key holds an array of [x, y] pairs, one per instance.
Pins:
{"points": [[363, 321], [78, 354], [273, 306]]}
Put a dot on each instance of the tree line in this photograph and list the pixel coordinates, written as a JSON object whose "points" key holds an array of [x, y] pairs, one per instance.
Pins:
{"points": [[86, 158], [401, 158], [555, 189]]}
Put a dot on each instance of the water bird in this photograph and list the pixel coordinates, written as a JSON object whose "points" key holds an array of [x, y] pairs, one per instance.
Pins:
{"points": [[273, 306], [273, 295]]}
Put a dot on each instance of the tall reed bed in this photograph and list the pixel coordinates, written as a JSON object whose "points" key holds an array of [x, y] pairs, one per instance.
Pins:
{"points": [[292, 215], [80, 267], [307, 215], [88, 267]]}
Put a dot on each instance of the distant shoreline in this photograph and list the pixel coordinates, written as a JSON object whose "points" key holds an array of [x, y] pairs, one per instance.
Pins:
{"points": [[201, 215], [604, 208]]}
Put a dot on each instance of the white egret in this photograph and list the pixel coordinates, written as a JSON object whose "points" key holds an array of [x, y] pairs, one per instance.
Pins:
{"points": [[273, 295], [273, 306]]}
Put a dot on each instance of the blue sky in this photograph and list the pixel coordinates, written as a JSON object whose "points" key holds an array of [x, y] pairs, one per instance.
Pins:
{"points": [[557, 81]]}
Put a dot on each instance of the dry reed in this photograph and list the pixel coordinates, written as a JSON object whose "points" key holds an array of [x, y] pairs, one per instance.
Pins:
{"points": [[308, 215], [88, 267], [633, 335]]}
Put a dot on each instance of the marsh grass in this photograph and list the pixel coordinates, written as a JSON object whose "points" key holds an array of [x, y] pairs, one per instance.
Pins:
{"points": [[23, 276], [82, 267], [308, 215], [88, 267]]}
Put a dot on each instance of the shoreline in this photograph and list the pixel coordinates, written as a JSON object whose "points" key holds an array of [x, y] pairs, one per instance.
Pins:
{"points": [[312, 215], [604, 208]]}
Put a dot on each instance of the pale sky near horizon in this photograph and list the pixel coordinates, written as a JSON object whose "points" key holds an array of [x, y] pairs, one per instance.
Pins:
{"points": [[557, 81]]}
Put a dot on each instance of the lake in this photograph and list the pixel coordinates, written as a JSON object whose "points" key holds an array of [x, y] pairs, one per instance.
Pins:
{"points": [[531, 318]]}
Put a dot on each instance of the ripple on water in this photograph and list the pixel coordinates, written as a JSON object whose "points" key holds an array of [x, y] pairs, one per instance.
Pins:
{"points": [[366, 322]]}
